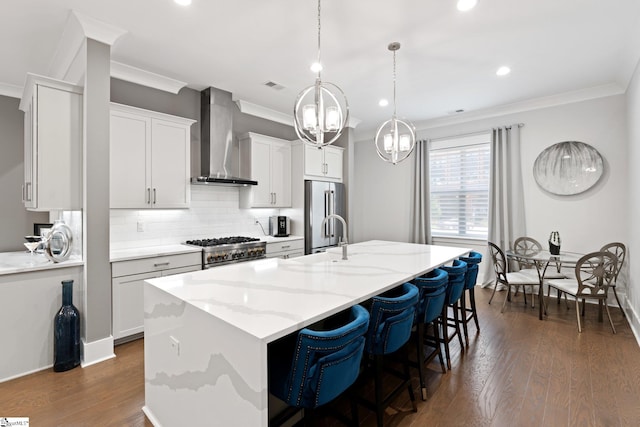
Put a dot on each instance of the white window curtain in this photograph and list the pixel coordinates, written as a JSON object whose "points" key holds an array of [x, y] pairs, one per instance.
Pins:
{"points": [[421, 229], [506, 198]]}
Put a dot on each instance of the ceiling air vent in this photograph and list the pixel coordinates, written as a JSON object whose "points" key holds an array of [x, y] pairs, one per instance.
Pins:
{"points": [[274, 85]]}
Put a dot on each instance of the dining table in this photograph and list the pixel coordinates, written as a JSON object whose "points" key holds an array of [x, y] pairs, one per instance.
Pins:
{"points": [[543, 260]]}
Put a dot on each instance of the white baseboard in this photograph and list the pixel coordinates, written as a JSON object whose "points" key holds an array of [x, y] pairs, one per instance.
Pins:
{"points": [[150, 417], [633, 319], [97, 351]]}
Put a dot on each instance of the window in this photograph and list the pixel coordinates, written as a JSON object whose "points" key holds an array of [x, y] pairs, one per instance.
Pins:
{"points": [[459, 187]]}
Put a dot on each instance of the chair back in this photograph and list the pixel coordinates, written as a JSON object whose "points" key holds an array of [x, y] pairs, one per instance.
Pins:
{"points": [[456, 280], [432, 287], [620, 251], [392, 315], [472, 261], [326, 363], [526, 246], [499, 263], [595, 272]]}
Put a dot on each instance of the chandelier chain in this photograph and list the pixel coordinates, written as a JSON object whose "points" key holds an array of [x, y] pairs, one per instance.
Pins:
{"points": [[319, 63], [394, 83]]}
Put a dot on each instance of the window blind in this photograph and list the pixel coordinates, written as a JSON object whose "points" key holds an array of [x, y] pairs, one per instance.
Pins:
{"points": [[459, 189]]}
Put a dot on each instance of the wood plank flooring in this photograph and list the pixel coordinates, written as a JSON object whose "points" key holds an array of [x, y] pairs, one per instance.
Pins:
{"points": [[518, 371]]}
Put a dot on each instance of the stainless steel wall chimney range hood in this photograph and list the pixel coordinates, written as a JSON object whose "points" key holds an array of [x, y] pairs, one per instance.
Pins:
{"points": [[217, 160]]}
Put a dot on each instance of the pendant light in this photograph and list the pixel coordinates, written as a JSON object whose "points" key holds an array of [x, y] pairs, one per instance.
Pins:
{"points": [[321, 110], [395, 138]]}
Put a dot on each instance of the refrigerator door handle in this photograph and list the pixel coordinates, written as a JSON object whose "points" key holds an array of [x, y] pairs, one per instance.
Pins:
{"points": [[327, 211], [332, 210]]}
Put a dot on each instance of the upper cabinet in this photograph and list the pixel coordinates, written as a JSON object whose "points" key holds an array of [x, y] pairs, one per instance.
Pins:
{"points": [[149, 159], [321, 163], [268, 161], [52, 144]]}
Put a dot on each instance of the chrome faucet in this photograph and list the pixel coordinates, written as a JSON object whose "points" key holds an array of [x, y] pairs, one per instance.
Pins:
{"points": [[343, 240]]}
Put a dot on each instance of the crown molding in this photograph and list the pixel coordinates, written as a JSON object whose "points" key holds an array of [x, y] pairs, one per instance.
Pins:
{"points": [[77, 29], [145, 78], [264, 112], [516, 107], [528, 105], [12, 91], [276, 116]]}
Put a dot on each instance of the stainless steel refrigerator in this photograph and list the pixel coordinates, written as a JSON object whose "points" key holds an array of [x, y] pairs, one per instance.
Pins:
{"points": [[321, 199]]}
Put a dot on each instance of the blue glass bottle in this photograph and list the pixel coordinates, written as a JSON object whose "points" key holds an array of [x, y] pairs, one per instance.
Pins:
{"points": [[66, 330]]}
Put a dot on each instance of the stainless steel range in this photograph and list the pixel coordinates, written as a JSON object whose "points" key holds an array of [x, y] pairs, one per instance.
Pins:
{"points": [[227, 250]]}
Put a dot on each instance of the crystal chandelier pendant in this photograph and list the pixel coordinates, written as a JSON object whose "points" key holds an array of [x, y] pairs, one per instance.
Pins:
{"points": [[395, 138], [321, 111]]}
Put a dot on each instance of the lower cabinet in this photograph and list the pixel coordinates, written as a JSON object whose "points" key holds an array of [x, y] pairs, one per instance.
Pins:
{"points": [[127, 285], [286, 249]]}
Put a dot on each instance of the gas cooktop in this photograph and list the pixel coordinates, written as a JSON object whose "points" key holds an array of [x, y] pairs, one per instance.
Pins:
{"points": [[226, 250], [222, 241]]}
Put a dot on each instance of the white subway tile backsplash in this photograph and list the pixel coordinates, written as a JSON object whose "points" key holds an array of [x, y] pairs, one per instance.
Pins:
{"points": [[214, 212]]}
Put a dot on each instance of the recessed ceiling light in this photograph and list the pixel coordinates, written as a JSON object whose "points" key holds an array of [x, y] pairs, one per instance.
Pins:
{"points": [[503, 71], [465, 5], [183, 2], [383, 102]]}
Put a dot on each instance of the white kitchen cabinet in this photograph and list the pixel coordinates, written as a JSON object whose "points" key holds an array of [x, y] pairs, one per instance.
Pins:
{"points": [[268, 161], [52, 144], [285, 249], [150, 159], [323, 163], [127, 284]]}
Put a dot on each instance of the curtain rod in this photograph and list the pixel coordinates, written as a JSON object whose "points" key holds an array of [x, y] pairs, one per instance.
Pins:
{"points": [[479, 132]]}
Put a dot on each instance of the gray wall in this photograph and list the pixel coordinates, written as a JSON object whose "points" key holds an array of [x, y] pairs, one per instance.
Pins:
{"points": [[15, 221]]}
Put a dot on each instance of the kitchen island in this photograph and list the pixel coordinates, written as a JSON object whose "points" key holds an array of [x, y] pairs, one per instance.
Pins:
{"points": [[207, 332]]}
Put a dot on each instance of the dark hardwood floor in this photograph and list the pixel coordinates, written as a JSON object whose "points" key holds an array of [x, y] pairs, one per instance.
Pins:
{"points": [[518, 371]]}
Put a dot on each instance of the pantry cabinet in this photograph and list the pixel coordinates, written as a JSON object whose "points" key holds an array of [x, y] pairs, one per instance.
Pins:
{"points": [[149, 159], [268, 161], [52, 144]]}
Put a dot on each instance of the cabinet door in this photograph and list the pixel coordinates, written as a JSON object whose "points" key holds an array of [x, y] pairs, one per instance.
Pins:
{"points": [[29, 179], [333, 162], [170, 169], [281, 174], [130, 176], [128, 304], [313, 161], [261, 172]]}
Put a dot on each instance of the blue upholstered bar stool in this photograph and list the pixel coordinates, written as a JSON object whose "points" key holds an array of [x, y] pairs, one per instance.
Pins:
{"points": [[470, 279], [392, 315], [432, 287], [321, 365], [455, 287]]}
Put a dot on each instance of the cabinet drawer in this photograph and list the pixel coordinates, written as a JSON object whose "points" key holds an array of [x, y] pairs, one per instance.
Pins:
{"points": [[144, 265], [289, 245]]}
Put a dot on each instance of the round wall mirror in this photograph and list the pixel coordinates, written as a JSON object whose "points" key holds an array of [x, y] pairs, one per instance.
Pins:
{"points": [[568, 168]]}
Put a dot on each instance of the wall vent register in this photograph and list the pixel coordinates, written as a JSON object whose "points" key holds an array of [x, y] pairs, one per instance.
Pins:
{"points": [[228, 250]]}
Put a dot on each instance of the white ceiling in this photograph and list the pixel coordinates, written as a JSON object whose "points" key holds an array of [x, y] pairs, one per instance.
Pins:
{"points": [[447, 61]]}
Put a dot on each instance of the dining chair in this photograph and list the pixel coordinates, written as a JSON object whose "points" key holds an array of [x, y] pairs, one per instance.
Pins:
{"points": [[392, 315], [455, 288], [432, 287], [620, 251], [508, 279], [530, 246], [594, 274], [470, 278], [321, 365]]}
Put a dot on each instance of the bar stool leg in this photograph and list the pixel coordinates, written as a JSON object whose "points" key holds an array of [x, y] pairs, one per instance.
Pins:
{"points": [[472, 300], [463, 312]]}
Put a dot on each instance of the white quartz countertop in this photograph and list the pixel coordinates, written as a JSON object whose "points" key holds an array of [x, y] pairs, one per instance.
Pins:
{"points": [[273, 297], [24, 262], [151, 251], [271, 239]]}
